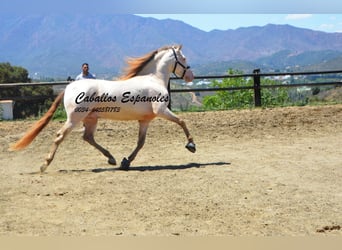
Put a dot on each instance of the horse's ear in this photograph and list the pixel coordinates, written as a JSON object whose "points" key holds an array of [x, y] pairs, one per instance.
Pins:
{"points": [[177, 47]]}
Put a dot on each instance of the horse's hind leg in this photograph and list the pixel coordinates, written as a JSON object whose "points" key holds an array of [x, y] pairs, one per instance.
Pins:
{"points": [[67, 127], [90, 126], [143, 125], [168, 115]]}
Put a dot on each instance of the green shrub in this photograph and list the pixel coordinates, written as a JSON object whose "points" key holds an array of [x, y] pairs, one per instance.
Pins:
{"points": [[243, 98]]}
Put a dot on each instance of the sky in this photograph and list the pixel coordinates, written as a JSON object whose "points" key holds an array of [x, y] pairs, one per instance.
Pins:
{"points": [[323, 15], [175, 6]]}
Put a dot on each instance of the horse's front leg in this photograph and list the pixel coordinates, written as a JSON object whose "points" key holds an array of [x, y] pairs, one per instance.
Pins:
{"points": [[168, 115], [143, 125]]}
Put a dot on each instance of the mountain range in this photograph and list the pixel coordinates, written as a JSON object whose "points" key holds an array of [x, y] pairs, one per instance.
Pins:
{"points": [[57, 45]]}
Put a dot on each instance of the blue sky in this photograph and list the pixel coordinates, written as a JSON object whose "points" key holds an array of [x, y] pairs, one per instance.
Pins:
{"points": [[323, 15], [175, 6]]}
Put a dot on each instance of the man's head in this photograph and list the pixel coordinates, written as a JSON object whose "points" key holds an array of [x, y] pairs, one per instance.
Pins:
{"points": [[85, 68]]}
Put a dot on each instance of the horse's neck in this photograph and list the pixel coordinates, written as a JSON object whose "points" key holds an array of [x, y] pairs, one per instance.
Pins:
{"points": [[160, 69]]}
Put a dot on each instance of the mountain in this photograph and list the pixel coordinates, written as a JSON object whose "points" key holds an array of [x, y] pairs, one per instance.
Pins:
{"points": [[284, 58], [57, 45]]}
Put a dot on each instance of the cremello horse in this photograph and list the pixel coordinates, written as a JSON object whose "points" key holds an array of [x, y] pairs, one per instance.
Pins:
{"points": [[139, 95]]}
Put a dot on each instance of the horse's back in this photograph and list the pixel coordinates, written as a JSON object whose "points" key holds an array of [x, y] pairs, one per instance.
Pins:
{"points": [[139, 98]]}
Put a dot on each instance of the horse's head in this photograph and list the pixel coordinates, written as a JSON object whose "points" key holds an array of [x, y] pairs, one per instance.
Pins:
{"points": [[181, 69], [146, 64]]}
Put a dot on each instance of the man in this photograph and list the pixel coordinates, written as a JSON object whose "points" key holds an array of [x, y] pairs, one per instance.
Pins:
{"points": [[85, 73]]}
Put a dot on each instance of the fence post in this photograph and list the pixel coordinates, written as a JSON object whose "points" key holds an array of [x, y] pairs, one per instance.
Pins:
{"points": [[257, 88]]}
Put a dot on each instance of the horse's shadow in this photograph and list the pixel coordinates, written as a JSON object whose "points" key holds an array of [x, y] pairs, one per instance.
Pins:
{"points": [[150, 168]]}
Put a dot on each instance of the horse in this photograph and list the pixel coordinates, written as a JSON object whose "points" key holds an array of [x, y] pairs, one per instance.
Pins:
{"points": [[140, 94]]}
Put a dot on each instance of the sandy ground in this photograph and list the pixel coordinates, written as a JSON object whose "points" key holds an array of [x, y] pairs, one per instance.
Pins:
{"points": [[256, 172]]}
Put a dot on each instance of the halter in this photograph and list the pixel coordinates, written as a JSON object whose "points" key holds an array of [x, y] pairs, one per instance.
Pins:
{"points": [[185, 68]]}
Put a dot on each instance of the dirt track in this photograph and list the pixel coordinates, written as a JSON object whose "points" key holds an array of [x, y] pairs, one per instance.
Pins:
{"points": [[255, 172]]}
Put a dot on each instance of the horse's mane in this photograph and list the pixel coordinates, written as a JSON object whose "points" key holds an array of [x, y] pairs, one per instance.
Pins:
{"points": [[136, 64]]}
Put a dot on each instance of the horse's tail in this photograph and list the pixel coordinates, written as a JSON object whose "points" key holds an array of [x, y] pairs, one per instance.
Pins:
{"points": [[38, 126]]}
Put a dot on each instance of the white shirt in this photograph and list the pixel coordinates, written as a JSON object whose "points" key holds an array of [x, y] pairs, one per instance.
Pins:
{"points": [[81, 76]]}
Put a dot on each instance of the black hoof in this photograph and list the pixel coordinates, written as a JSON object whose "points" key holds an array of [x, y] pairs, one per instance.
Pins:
{"points": [[125, 164], [111, 161], [191, 147]]}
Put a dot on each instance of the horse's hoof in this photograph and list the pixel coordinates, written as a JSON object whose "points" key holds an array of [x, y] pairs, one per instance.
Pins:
{"points": [[191, 147], [125, 164], [112, 161], [42, 169]]}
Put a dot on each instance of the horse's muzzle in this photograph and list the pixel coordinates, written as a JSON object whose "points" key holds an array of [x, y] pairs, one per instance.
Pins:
{"points": [[188, 76]]}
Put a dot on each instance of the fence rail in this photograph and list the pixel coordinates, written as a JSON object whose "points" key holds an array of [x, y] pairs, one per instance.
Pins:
{"points": [[257, 87], [256, 76]]}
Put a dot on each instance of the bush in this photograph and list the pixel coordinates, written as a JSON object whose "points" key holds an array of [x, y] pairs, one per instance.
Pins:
{"points": [[60, 114], [243, 98]]}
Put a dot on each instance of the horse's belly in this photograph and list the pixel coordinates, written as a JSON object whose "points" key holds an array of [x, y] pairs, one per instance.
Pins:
{"points": [[124, 112]]}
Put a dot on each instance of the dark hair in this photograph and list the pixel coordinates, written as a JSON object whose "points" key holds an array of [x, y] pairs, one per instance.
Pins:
{"points": [[85, 64]]}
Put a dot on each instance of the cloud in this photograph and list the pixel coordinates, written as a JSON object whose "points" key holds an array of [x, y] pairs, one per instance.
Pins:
{"points": [[326, 26], [298, 16]]}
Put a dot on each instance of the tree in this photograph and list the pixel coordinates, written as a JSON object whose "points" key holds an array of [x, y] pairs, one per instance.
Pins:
{"points": [[243, 98], [22, 109], [230, 99], [12, 74]]}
